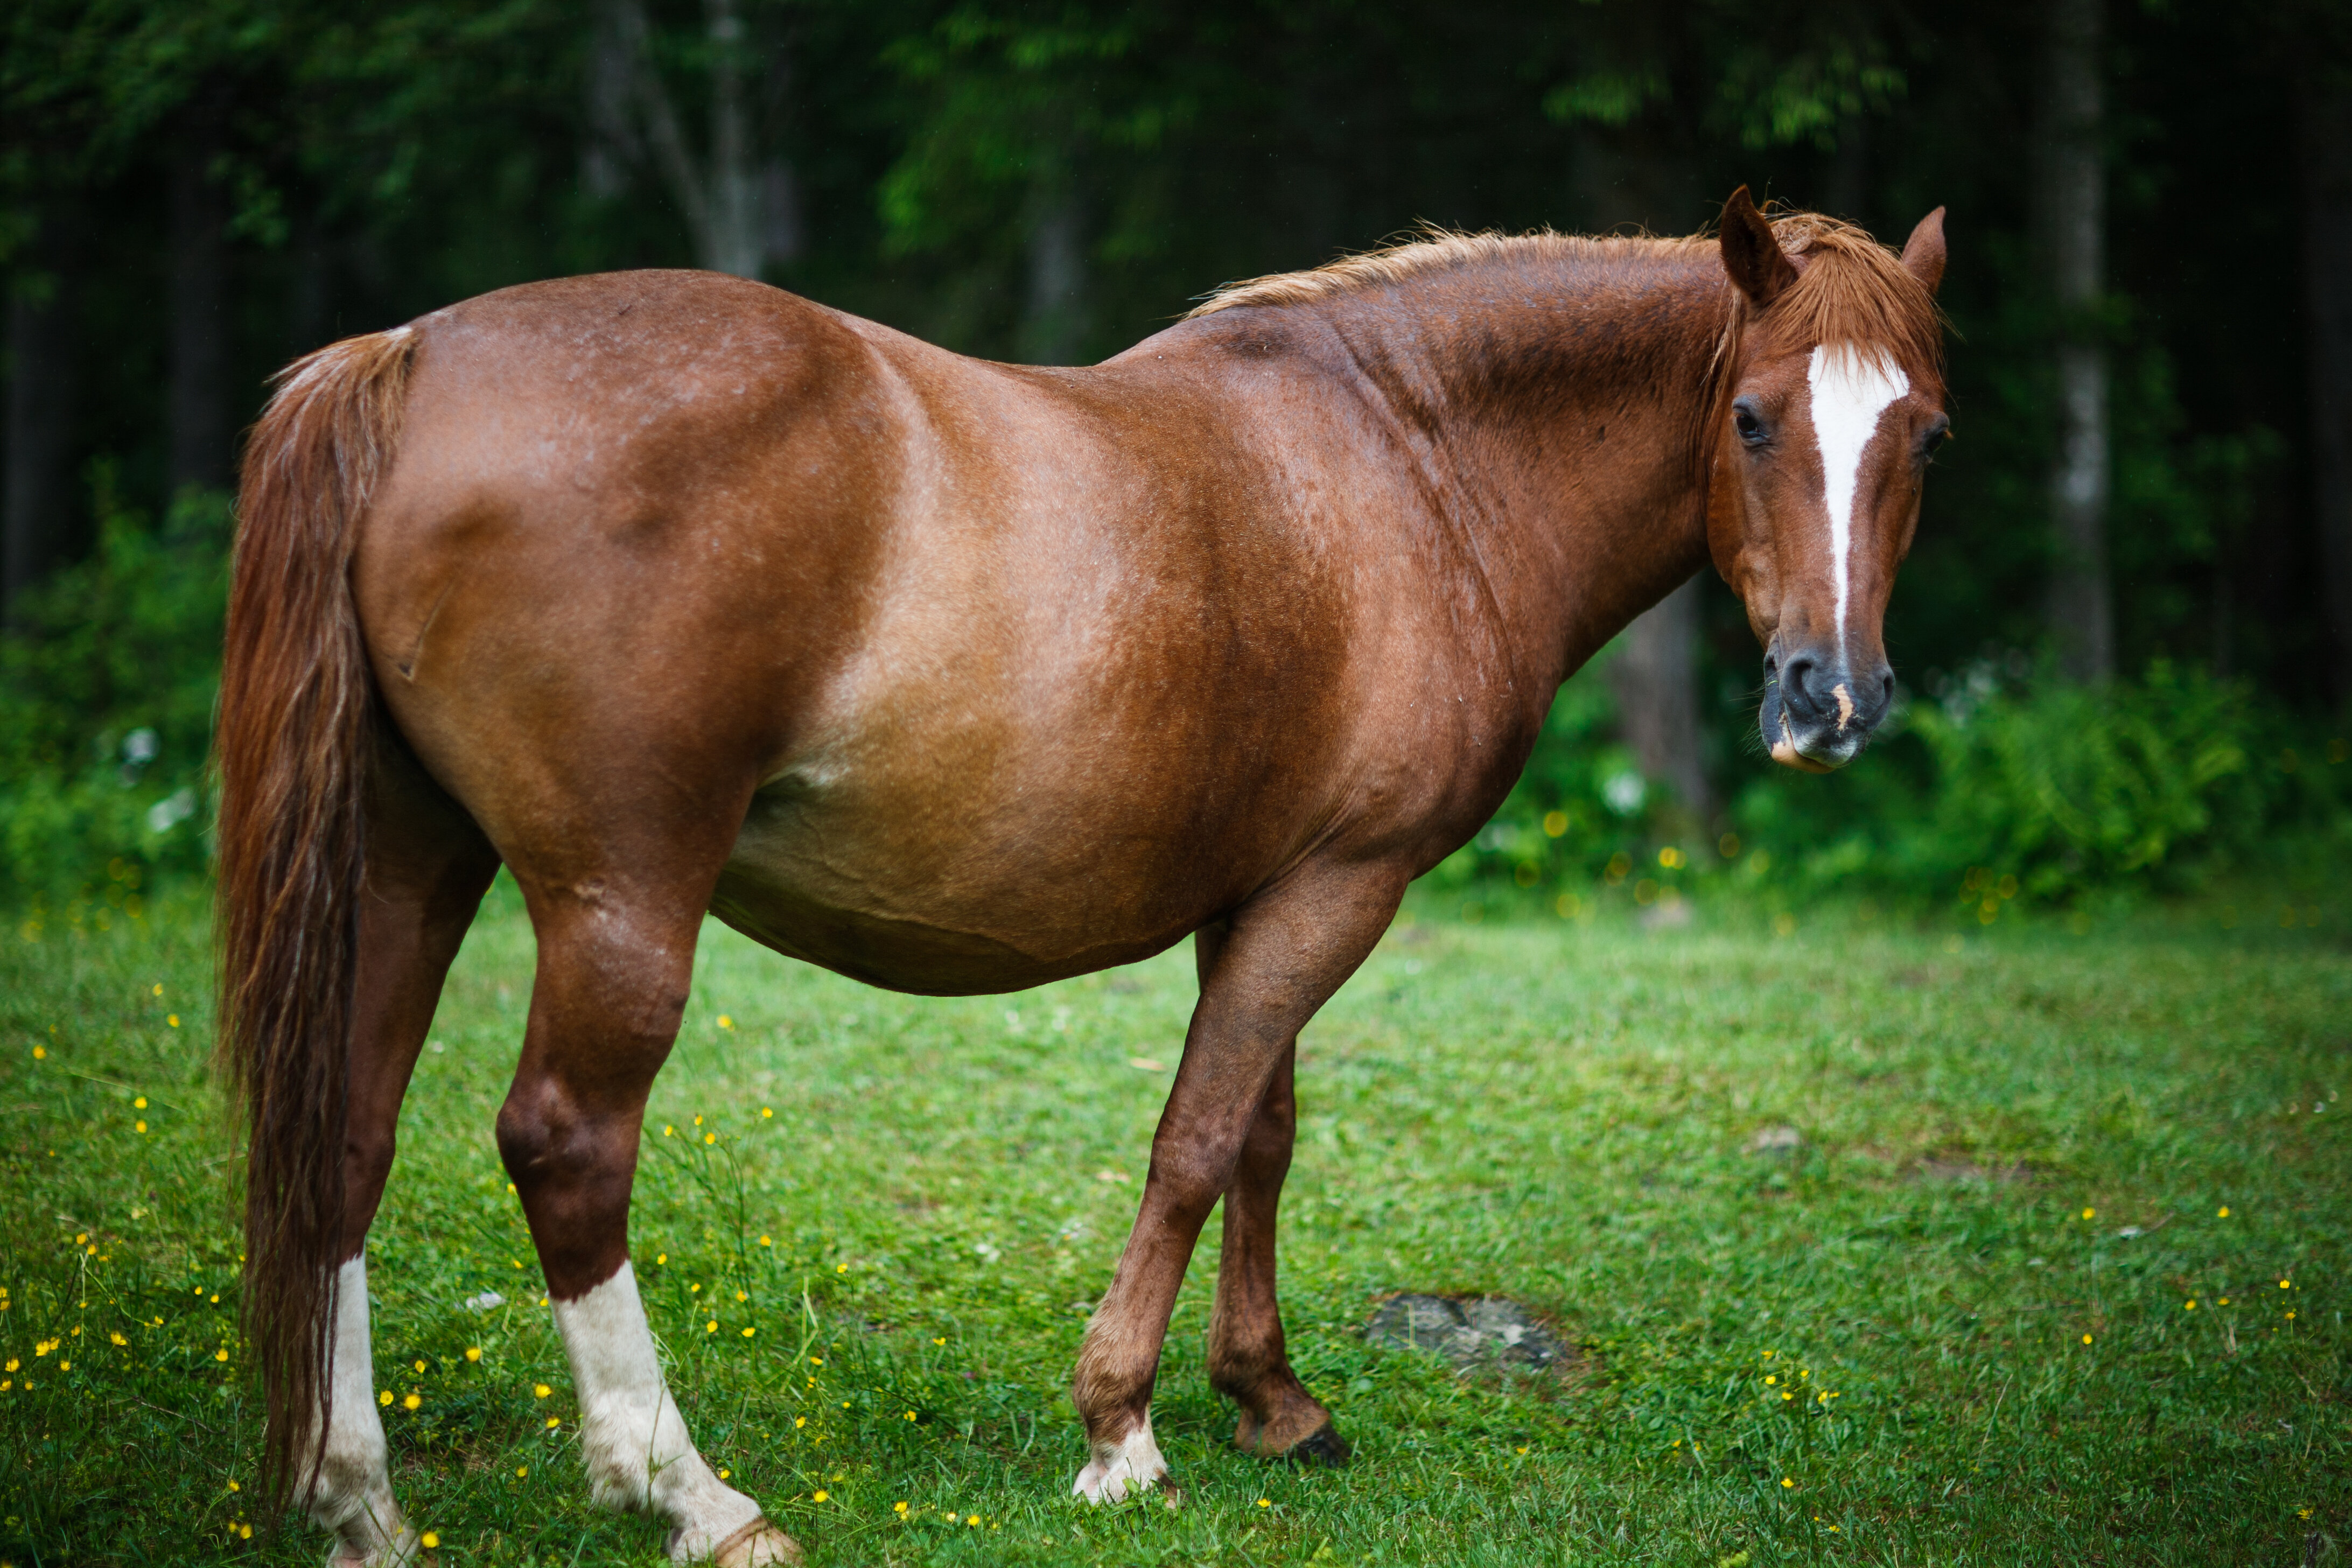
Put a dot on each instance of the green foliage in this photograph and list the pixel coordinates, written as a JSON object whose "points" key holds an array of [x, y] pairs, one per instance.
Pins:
{"points": [[2069, 789], [2058, 792], [2156, 786], [106, 704]]}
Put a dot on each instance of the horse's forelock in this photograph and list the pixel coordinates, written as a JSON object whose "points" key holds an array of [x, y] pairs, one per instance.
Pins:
{"points": [[1851, 294]]}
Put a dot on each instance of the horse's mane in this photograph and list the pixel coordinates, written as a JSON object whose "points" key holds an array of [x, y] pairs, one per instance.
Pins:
{"points": [[1850, 289]]}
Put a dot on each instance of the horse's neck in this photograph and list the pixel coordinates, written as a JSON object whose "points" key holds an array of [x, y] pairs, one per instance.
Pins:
{"points": [[1564, 405]]}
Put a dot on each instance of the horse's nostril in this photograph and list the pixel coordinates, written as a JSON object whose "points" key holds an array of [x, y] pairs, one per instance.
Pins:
{"points": [[1797, 686]]}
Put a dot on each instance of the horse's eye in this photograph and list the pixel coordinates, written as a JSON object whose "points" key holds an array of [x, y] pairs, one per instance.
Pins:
{"points": [[1751, 428], [1935, 436]]}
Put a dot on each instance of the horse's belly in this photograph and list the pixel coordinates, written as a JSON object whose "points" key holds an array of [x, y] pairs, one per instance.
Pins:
{"points": [[937, 916]]}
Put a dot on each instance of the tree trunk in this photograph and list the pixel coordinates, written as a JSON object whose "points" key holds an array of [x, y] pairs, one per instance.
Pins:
{"points": [[196, 418], [2073, 199], [2327, 127], [1633, 181], [739, 211], [1053, 323], [1845, 182], [1656, 678], [735, 243], [44, 374]]}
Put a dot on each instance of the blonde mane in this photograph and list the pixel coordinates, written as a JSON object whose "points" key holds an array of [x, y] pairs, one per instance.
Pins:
{"points": [[1850, 289]]}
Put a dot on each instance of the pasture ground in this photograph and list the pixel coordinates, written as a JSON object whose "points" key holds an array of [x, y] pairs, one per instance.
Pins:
{"points": [[1953, 1323]]}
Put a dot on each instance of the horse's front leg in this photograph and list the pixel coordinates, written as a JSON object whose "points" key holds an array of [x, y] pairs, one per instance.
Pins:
{"points": [[1247, 1363], [610, 987], [1281, 958]]}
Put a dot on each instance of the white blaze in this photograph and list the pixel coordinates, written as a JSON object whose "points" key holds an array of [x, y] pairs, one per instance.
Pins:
{"points": [[638, 1454], [1850, 392]]}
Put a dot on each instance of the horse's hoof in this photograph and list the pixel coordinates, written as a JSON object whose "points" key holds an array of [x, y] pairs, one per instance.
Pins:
{"points": [[1322, 1449], [755, 1544], [1131, 1467]]}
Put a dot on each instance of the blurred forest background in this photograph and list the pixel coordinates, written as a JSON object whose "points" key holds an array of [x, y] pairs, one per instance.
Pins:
{"points": [[2124, 637]]}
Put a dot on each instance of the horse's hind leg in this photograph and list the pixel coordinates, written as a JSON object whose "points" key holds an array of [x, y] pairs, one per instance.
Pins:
{"points": [[615, 964], [427, 866]]}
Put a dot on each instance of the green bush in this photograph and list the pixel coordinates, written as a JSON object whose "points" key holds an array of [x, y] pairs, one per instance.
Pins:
{"points": [[2000, 787], [107, 685]]}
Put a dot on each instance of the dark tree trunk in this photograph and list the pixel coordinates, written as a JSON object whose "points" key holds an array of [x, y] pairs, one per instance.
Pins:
{"points": [[2072, 197], [727, 198], [310, 315], [1054, 318], [196, 419], [1632, 181], [44, 374], [2326, 126], [1846, 180], [1655, 678]]}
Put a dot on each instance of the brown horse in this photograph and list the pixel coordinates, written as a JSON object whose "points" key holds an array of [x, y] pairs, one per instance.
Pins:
{"points": [[676, 594]]}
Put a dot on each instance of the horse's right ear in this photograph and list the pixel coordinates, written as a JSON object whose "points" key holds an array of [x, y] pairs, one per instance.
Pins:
{"points": [[1750, 254]]}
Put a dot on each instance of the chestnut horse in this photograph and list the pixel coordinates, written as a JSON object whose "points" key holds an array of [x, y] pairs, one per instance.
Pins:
{"points": [[676, 594]]}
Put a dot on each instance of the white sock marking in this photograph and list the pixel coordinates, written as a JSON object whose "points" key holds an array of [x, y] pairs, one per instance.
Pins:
{"points": [[1850, 392], [350, 1491], [1132, 1463], [638, 1454]]}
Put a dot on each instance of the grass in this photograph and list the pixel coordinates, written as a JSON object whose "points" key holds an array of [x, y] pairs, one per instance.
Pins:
{"points": [[2016, 1147]]}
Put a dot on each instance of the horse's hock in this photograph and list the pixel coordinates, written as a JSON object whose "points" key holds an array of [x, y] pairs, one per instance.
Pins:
{"points": [[1484, 1334]]}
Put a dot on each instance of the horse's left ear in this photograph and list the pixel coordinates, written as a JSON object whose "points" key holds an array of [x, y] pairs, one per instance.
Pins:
{"points": [[1923, 253], [1750, 254]]}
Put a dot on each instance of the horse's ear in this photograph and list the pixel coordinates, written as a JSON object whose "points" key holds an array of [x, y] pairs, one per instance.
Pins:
{"points": [[1923, 253], [1750, 254]]}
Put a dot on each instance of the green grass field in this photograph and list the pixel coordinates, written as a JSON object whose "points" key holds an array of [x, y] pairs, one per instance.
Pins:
{"points": [[1953, 1325]]}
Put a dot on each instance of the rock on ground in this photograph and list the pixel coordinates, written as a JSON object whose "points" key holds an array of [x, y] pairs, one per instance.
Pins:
{"points": [[1477, 1333]]}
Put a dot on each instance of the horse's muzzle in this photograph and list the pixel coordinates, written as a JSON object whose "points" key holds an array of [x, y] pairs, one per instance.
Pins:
{"points": [[1818, 713]]}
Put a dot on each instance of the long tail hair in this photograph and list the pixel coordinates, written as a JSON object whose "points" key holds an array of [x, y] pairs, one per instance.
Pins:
{"points": [[296, 715]]}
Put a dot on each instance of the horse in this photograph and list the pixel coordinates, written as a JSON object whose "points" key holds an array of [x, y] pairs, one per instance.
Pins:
{"points": [[676, 594]]}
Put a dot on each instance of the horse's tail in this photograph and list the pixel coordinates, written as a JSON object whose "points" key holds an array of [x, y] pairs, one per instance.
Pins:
{"points": [[295, 728]]}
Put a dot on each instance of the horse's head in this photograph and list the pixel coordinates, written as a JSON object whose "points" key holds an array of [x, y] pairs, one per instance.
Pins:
{"points": [[1830, 406]]}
